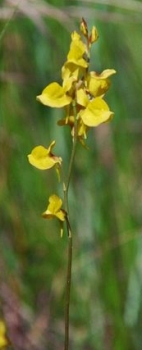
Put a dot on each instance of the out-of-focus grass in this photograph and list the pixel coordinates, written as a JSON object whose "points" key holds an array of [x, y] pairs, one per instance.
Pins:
{"points": [[105, 196]]}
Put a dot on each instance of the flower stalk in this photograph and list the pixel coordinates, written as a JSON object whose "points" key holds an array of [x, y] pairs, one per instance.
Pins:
{"points": [[70, 237], [81, 94]]}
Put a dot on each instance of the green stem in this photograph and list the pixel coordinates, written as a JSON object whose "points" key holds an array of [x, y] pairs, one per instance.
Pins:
{"points": [[70, 238], [68, 288], [66, 185]]}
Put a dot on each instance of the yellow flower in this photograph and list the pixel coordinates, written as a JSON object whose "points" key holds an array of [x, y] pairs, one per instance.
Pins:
{"points": [[54, 209], [98, 84], [3, 340], [70, 75], [96, 113], [54, 95], [77, 51], [42, 158]]}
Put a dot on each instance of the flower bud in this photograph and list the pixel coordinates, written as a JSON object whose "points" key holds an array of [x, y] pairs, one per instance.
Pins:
{"points": [[84, 28], [94, 35]]}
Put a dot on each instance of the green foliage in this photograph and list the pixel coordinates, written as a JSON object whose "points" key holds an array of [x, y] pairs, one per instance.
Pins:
{"points": [[106, 188]]}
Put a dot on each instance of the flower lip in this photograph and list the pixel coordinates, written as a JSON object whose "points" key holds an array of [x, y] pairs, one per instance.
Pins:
{"points": [[42, 158], [96, 113], [54, 95]]}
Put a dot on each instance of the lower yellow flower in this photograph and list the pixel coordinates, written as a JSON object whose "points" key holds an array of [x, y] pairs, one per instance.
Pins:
{"points": [[54, 211], [3, 340], [42, 158]]}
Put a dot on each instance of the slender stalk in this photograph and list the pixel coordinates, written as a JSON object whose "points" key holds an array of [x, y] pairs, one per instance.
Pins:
{"points": [[70, 237], [66, 185], [68, 288]]}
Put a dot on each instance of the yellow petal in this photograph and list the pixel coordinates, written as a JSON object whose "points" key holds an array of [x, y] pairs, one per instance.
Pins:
{"points": [[76, 53], [82, 98], [55, 204], [97, 112], [96, 86], [104, 75], [60, 215], [69, 70], [75, 36], [54, 96], [42, 158]]}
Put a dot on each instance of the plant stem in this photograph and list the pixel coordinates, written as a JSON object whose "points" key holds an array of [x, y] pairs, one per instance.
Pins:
{"points": [[70, 238], [68, 288]]}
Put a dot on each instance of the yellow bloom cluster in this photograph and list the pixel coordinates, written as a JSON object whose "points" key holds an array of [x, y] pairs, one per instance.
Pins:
{"points": [[81, 88], [82, 96]]}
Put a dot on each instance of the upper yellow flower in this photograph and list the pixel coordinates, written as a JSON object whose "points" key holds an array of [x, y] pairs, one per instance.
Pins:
{"points": [[77, 51], [54, 95], [76, 63], [42, 158]]}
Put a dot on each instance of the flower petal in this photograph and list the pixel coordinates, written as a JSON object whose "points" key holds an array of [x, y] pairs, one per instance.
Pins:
{"points": [[54, 96], [77, 51], [82, 98], [42, 158], [105, 74], [97, 112], [98, 84], [97, 87], [55, 203]]}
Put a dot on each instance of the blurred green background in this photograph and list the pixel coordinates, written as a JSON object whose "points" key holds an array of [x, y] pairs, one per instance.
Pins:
{"points": [[106, 188]]}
